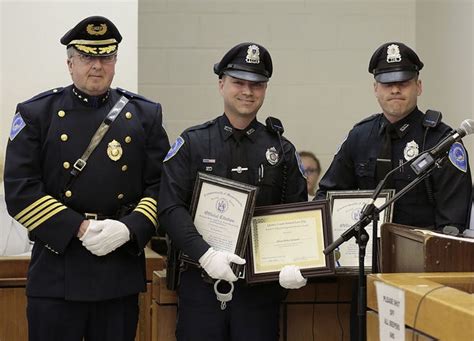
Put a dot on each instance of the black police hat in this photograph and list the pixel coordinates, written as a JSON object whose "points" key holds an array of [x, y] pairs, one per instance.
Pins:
{"points": [[95, 36], [248, 61], [394, 62]]}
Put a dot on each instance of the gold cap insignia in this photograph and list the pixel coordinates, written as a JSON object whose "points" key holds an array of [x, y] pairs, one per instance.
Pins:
{"points": [[114, 150], [96, 30]]}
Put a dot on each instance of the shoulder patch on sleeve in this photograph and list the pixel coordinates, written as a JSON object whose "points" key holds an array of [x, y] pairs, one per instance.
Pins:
{"points": [[174, 148], [45, 94], [457, 156], [131, 95], [367, 119], [17, 125], [300, 164]]}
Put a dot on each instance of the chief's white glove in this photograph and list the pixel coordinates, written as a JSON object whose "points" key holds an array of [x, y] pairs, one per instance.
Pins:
{"points": [[91, 232], [217, 264], [108, 235], [291, 278]]}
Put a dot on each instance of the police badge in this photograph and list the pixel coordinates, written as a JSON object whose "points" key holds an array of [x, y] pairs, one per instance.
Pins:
{"points": [[393, 54], [114, 150], [411, 150], [272, 156], [253, 55]]}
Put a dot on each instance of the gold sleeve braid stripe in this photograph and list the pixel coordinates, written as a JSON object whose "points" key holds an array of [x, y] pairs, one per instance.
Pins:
{"points": [[148, 207], [39, 211]]}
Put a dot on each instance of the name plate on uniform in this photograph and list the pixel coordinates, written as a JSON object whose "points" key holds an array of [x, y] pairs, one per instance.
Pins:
{"points": [[289, 234], [222, 210], [346, 207]]}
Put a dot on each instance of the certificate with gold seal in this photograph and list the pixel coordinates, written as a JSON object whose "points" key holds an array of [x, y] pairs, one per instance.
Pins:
{"points": [[222, 210], [289, 234]]}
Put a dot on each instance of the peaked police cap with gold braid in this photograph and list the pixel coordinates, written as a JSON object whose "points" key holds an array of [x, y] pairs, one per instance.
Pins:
{"points": [[95, 36]]}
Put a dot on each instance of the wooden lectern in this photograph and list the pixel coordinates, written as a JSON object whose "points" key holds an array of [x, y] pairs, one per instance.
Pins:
{"points": [[438, 306], [408, 249], [13, 271]]}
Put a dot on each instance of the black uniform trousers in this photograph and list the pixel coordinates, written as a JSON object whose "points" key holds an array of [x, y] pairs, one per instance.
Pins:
{"points": [[252, 314], [55, 319]]}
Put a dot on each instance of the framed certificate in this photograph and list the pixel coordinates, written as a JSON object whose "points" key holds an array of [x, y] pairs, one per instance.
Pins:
{"points": [[222, 210], [289, 234], [346, 207]]}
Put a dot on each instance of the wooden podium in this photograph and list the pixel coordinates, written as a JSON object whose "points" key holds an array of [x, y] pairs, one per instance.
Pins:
{"points": [[407, 249], [438, 306], [13, 324]]}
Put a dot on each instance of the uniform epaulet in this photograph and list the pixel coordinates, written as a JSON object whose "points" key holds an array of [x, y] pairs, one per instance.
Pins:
{"points": [[201, 126], [45, 94], [367, 119], [131, 95]]}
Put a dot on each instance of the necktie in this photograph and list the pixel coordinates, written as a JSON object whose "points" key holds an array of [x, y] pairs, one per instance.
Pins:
{"points": [[239, 164], [384, 159]]}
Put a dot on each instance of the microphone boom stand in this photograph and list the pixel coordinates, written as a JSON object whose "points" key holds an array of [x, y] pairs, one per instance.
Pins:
{"points": [[371, 213]]}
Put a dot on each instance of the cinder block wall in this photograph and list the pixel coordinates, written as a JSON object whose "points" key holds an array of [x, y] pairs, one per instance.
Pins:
{"points": [[320, 49]]}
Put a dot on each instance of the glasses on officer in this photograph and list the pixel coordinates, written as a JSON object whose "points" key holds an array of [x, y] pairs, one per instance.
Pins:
{"points": [[311, 171], [88, 59]]}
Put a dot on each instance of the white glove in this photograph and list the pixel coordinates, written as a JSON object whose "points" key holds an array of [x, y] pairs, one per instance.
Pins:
{"points": [[217, 264], [91, 232], [291, 277], [108, 235]]}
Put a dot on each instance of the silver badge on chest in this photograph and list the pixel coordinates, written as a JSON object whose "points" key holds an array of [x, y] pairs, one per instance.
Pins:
{"points": [[411, 150], [272, 156]]}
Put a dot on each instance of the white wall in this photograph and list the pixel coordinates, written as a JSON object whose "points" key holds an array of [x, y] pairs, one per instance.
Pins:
{"points": [[321, 49], [32, 60], [445, 38]]}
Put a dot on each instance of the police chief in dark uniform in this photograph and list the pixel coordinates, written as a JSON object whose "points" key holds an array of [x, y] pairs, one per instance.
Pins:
{"points": [[237, 146], [89, 204], [384, 141]]}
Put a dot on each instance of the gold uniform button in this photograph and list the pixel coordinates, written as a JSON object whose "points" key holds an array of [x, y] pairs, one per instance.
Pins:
{"points": [[61, 113], [124, 168], [66, 165], [128, 115], [64, 137], [68, 194], [128, 139], [120, 196]]}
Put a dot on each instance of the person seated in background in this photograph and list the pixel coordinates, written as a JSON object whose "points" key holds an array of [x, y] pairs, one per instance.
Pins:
{"points": [[312, 171], [14, 239]]}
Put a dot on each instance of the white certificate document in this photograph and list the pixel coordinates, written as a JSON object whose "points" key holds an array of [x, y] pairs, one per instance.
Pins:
{"points": [[345, 213], [219, 215], [288, 238]]}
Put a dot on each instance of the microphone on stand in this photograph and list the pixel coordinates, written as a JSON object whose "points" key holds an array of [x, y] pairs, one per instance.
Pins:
{"points": [[427, 159]]}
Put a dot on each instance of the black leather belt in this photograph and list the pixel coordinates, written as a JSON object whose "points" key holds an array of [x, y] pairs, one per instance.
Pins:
{"points": [[97, 216]]}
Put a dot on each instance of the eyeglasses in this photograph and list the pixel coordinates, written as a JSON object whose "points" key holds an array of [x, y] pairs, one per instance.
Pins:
{"points": [[309, 171], [88, 59]]}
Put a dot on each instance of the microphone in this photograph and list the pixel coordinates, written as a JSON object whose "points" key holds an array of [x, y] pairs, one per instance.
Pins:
{"points": [[427, 159]]}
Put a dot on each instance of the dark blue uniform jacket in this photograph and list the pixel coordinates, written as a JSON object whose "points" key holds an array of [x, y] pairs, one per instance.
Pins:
{"points": [[207, 149], [58, 126], [354, 167]]}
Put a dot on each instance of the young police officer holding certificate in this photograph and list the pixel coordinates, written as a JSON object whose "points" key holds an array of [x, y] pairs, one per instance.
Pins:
{"points": [[236, 146]]}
